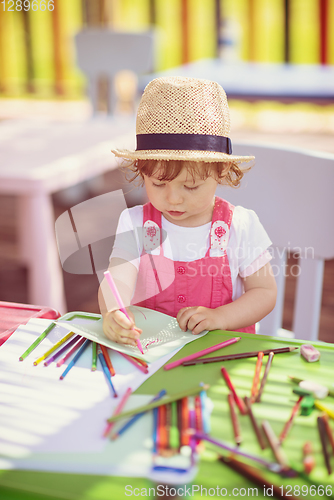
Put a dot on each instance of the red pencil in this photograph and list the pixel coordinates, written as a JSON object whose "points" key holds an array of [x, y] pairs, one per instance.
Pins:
{"points": [[289, 423], [234, 419], [239, 402]]}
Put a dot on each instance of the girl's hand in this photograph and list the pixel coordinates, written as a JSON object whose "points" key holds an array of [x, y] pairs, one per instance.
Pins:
{"points": [[118, 328], [197, 319]]}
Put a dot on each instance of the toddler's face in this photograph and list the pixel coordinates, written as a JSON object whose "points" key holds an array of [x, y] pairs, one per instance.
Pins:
{"points": [[185, 201]]}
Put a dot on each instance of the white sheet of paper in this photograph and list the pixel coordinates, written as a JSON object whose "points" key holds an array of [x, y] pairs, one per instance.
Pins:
{"points": [[161, 334], [40, 413]]}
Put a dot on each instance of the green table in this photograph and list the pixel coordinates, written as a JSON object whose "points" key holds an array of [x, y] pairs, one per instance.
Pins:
{"points": [[276, 405]]}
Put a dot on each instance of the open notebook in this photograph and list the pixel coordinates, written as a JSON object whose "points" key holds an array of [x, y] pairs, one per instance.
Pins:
{"points": [[161, 333]]}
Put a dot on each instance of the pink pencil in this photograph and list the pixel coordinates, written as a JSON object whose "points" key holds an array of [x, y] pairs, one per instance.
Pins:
{"points": [[117, 410], [119, 301], [140, 367], [202, 353], [69, 354]]}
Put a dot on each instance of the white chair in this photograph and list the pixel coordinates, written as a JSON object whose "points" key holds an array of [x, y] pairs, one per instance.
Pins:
{"points": [[104, 53], [291, 190]]}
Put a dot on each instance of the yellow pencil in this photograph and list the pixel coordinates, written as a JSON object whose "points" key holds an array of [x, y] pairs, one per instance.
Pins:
{"points": [[324, 408], [53, 348]]}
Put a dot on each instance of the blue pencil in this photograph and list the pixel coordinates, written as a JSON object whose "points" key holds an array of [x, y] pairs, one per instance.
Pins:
{"points": [[137, 416], [75, 359], [106, 372]]}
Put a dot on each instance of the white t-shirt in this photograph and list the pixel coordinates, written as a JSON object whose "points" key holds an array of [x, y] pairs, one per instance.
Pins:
{"points": [[246, 248]]}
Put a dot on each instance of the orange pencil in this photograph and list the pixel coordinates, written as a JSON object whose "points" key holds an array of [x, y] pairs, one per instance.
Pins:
{"points": [[141, 361], [239, 402], [256, 379], [107, 359], [162, 429], [185, 422]]}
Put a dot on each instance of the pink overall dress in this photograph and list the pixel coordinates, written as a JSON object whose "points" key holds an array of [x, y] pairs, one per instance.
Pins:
{"points": [[167, 286]]}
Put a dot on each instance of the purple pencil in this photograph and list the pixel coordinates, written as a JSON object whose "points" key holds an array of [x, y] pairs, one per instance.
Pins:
{"points": [[62, 350], [69, 354]]}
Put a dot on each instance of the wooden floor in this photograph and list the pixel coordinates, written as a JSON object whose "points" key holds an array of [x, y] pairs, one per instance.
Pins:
{"points": [[81, 291]]}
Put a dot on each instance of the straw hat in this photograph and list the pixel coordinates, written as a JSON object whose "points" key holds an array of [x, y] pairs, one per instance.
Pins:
{"points": [[183, 119]]}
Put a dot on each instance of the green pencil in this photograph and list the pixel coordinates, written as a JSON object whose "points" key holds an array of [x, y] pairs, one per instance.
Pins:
{"points": [[174, 439], [94, 356], [163, 401], [37, 341]]}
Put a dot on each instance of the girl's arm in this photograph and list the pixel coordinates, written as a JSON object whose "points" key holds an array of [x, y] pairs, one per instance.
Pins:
{"points": [[116, 325], [257, 301]]}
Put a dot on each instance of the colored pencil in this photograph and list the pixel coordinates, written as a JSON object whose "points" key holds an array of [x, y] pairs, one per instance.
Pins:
{"points": [[185, 422], [118, 409], [94, 356], [323, 440], [72, 351], [202, 353], [328, 429], [140, 361], [166, 429], [37, 341], [274, 444], [289, 423], [255, 476], [234, 419], [134, 362], [239, 402], [237, 451], [62, 350], [75, 359], [255, 426], [107, 373], [205, 416], [134, 419], [53, 348], [189, 392], [324, 408], [155, 431], [241, 355], [265, 376], [256, 379], [106, 356], [119, 301], [174, 435]]}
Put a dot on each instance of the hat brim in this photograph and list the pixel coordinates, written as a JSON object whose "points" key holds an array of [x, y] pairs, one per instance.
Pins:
{"points": [[181, 155]]}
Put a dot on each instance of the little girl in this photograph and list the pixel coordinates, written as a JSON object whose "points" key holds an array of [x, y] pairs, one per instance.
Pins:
{"points": [[196, 257]]}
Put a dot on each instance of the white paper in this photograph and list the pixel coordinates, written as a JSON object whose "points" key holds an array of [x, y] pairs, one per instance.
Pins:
{"points": [[161, 334], [40, 412]]}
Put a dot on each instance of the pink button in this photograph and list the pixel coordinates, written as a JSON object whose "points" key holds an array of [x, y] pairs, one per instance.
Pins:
{"points": [[181, 298], [181, 270]]}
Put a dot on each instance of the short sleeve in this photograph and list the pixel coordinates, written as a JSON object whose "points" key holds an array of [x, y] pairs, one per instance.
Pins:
{"points": [[127, 245], [250, 238]]}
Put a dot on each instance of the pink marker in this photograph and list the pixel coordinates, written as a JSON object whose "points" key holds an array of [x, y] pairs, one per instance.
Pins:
{"points": [[119, 301], [201, 353]]}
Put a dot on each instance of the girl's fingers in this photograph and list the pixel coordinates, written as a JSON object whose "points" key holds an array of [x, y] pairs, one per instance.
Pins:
{"points": [[183, 317]]}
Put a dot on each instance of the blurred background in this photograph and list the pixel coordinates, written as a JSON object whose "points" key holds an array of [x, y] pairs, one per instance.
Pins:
{"points": [[40, 79]]}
